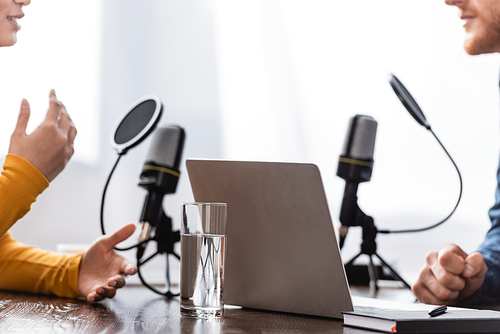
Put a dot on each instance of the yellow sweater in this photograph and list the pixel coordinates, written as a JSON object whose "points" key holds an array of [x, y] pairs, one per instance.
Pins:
{"points": [[25, 268]]}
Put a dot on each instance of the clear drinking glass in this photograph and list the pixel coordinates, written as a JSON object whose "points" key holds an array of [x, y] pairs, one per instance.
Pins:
{"points": [[203, 252]]}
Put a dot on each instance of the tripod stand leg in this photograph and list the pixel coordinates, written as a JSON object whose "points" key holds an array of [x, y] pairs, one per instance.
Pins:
{"points": [[393, 272], [167, 274], [373, 276], [352, 260]]}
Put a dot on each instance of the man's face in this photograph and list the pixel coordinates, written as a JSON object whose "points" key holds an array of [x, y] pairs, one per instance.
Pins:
{"points": [[481, 21], [10, 12]]}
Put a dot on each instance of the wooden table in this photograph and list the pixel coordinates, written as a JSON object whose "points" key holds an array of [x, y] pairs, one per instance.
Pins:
{"points": [[137, 310]]}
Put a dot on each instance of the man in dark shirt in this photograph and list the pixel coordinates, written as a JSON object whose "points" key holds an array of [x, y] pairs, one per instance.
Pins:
{"points": [[450, 275]]}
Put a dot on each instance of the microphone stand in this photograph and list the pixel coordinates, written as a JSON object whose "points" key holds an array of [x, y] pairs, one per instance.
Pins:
{"points": [[356, 217], [165, 239]]}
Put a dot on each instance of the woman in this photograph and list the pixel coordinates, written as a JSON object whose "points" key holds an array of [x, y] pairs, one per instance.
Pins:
{"points": [[33, 161]]}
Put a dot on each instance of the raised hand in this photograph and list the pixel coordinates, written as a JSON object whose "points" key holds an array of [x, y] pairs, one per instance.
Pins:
{"points": [[50, 146], [449, 276], [102, 270]]}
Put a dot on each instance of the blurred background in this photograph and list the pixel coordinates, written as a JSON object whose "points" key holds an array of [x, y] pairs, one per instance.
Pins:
{"points": [[268, 80]]}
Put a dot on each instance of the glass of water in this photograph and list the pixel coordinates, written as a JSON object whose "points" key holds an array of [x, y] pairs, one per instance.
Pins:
{"points": [[203, 252]]}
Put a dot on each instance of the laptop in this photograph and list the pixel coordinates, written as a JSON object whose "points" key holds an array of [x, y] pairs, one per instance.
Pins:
{"points": [[282, 254]]}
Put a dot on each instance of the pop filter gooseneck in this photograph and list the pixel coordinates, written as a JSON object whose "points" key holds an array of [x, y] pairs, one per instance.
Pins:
{"points": [[411, 105]]}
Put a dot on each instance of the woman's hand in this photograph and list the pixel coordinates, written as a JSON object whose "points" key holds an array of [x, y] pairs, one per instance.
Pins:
{"points": [[50, 146], [102, 270]]}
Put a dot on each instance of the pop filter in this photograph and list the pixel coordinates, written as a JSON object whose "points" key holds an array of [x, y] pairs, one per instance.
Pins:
{"points": [[408, 101], [412, 106], [138, 121]]}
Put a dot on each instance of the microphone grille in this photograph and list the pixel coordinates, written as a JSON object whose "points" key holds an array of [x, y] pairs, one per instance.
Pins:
{"points": [[166, 146], [360, 139]]}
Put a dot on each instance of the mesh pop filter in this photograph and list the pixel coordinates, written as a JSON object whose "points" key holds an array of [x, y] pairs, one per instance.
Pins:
{"points": [[408, 101], [138, 121]]}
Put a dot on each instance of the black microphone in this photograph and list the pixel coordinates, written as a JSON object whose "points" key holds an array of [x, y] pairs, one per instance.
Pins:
{"points": [[160, 175], [355, 166]]}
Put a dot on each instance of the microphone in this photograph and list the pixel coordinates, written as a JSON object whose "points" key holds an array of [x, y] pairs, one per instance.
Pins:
{"points": [[159, 176], [355, 166]]}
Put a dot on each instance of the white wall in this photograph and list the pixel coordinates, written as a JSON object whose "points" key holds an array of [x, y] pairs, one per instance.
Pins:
{"points": [[310, 66], [278, 80]]}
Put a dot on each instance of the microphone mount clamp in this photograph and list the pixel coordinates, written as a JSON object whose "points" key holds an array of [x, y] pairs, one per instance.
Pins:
{"points": [[352, 215]]}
